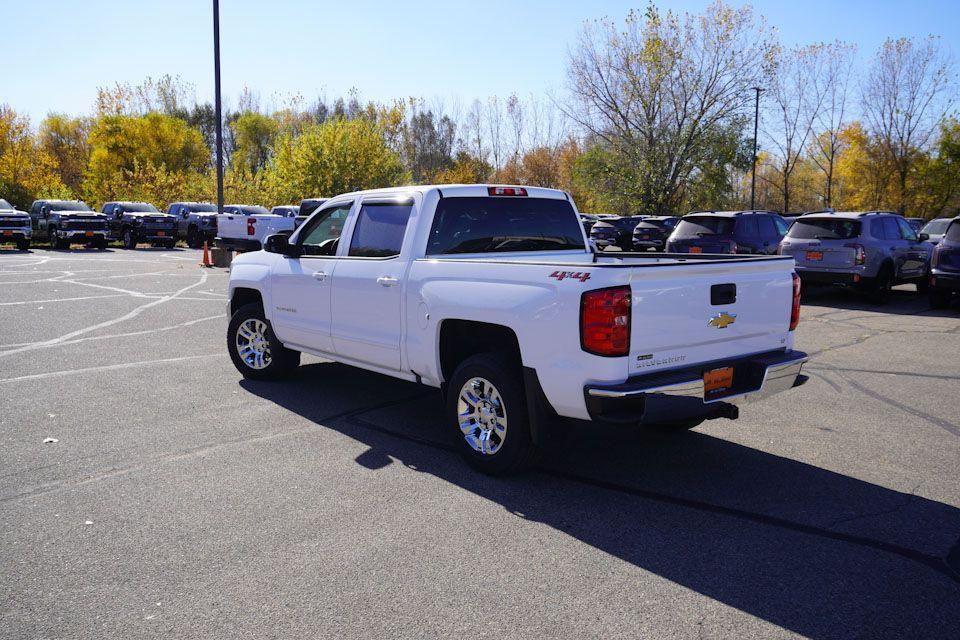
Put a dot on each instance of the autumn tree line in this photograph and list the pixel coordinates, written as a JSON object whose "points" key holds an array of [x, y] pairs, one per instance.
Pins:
{"points": [[657, 117]]}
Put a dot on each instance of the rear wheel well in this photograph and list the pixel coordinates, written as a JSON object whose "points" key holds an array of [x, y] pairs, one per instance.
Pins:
{"points": [[243, 296], [460, 339]]}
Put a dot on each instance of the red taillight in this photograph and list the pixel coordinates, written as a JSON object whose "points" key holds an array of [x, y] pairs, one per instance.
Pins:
{"points": [[795, 310], [605, 321], [935, 258], [251, 226], [733, 247], [506, 191], [860, 254]]}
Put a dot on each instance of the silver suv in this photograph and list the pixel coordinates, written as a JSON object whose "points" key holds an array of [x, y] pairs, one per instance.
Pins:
{"points": [[871, 250]]}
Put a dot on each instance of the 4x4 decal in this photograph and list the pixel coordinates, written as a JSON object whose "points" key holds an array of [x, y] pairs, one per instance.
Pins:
{"points": [[582, 276]]}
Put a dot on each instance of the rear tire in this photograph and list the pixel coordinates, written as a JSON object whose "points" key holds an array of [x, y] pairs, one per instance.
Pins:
{"points": [[879, 287], [487, 412], [254, 348], [923, 286]]}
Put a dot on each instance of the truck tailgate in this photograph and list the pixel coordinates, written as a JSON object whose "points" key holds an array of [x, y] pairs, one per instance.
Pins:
{"points": [[695, 313], [253, 227]]}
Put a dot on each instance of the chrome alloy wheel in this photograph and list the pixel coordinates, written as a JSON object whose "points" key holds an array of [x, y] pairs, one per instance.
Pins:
{"points": [[482, 416], [252, 345]]}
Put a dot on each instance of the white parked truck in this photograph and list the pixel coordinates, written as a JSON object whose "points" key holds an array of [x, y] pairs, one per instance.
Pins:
{"points": [[492, 294], [243, 227]]}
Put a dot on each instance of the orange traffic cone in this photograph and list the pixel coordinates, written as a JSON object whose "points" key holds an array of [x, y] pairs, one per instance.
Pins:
{"points": [[206, 256]]}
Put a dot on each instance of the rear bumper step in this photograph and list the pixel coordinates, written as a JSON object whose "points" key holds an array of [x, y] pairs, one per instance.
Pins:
{"points": [[679, 394]]}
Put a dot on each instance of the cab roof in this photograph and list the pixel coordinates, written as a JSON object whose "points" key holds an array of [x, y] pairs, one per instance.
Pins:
{"points": [[729, 214], [458, 191]]}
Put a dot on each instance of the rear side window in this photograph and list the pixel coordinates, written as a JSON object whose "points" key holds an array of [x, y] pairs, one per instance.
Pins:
{"points": [[781, 225], [767, 228], [379, 230], [492, 225], [697, 226], [891, 230], [953, 232], [821, 229], [748, 227]]}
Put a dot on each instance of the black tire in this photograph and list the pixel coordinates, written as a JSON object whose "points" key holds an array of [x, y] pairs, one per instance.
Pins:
{"points": [[194, 238], [129, 239], [516, 450], [100, 245], [23, 244], [879, 288], [55, 243], [939, 299], [169, 244], [282, 362], [923, 286]]}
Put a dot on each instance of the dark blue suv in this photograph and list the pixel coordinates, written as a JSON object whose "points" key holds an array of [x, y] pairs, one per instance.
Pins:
{"points": [[750, 232], [615, 232], [945, 268]]}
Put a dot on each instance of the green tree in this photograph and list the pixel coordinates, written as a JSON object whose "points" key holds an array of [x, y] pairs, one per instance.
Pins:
{"points": [[254, 135], [65, 140], [27, 171], [334, 157]]}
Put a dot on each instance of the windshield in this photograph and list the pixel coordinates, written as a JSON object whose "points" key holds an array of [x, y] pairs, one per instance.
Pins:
{"points": [[140, 207], [936, 227], [824, 229], [246, 210], [488, 225], [5, 205], [68, 205], [653, 224], [953, 232], [202, 208], [698, 226]]}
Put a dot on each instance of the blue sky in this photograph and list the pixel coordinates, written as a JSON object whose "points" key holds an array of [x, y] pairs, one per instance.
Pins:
{"points": [[386, 49]]}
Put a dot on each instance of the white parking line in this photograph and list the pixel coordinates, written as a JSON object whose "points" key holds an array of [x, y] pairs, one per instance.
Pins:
{"points": [[110, 336], [109, 367], [113, 295]]}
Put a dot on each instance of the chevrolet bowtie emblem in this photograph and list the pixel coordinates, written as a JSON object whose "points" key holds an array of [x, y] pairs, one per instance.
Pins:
{"points": [[722, 320]]}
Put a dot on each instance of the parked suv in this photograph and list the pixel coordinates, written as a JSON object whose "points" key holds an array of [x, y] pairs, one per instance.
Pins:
{"points": [[652, 232], [748, 232], [136, 222], [66, 222], [945, 267], [935, 229], [307, 207], [871, 250], [14, 226], [615, 232], [196, 222]]}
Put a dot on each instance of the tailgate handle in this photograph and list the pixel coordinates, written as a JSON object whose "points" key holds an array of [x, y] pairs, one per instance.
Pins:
{"points": [[723, 294]]}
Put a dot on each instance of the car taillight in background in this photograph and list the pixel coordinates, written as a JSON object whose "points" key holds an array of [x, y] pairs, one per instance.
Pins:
{"points": [[859, 255], [935, 256], [795, 309], [506, 191], [605, 321], [734, 247]]}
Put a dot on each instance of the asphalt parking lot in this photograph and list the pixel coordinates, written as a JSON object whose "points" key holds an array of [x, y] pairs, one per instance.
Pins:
{"points": [[181, 501]]}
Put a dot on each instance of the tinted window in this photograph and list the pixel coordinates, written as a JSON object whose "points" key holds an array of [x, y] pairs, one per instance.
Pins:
{"points": [[906, 230], [487, 225], [767, 228], [140, 207], [74, 205], [627, 224], [936, 227], [379, 230], [823, 229], [245, 210], [696, 226], [327, 225], [202, 207], [891, 230], [654, 224], [781, 224], [309, 206], [748, 226], [953, 232]]}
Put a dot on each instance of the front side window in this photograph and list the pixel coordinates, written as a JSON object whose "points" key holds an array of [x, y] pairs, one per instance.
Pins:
{"points": [[320, 237], [906, 231], [493, 225], [379, 230]]}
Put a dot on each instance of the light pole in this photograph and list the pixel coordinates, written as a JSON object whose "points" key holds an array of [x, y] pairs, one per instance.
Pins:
{"points": [[756, 122], [216, 102]]}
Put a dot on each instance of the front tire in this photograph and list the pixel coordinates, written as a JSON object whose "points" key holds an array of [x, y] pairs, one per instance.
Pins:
{"points": [[487, 411], [254, 349], [194, 239], [23, 244], [129, 239]]}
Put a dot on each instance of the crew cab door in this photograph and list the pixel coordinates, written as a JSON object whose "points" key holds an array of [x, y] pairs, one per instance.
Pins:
{"points": [[915, 255], [301, 286], [368, 284]]}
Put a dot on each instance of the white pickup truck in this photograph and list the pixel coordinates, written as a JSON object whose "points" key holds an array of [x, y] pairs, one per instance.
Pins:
{"points": [[243, 227], [492, 294]]}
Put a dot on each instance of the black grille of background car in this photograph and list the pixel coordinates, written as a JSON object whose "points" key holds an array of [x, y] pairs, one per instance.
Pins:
{"points": [[13, 223], [84, 224], [159, 224]]}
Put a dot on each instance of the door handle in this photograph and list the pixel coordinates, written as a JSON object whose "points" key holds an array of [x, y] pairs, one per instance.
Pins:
{"points": [[320, 276], [387, 281]]}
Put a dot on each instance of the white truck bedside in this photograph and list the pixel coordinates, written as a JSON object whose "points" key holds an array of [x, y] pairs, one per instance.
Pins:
{"points": [[492, 294], [243, 227]]}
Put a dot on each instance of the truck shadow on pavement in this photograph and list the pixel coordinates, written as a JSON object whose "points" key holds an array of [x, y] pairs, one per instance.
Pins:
{"points": [[812, 551]]}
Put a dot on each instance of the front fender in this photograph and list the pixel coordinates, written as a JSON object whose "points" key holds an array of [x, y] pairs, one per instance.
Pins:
{"points": [[247, 274]]}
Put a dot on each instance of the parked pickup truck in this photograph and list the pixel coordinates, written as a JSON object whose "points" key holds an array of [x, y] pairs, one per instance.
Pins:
{"points": [[66, 222], [243, 227], [15, 226], [196, 222], [491, 294], [140, 222]]}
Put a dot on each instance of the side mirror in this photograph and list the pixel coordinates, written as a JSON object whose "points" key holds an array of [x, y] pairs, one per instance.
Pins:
{"points": [[280, 243], [923, 237]]}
